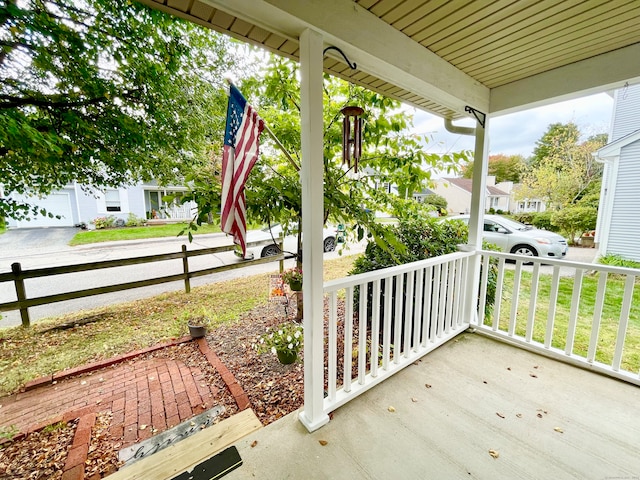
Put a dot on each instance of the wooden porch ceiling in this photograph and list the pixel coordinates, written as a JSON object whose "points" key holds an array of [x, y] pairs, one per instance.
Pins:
{"points": [[504, 54]]}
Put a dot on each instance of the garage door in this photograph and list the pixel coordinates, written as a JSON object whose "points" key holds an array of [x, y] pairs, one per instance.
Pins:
{"points": [[56, 203]]}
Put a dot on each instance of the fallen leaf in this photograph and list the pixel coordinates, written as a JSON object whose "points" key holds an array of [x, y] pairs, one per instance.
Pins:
{"points": [[391, 409], [322, 442], [500, 415], [414, 399], [559, 430], [494, 453], [254, 443]]}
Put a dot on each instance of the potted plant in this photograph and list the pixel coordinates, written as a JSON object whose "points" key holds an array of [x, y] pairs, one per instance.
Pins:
{"points": [[198, 322], [285, 341], [293, 278]]}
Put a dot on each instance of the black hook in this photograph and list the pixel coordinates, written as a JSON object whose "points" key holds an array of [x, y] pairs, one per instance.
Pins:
{"points": [[481, 117], [351, 65]]}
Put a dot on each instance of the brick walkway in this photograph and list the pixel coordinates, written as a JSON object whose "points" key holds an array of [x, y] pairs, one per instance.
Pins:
{"points": [[155, 394]]}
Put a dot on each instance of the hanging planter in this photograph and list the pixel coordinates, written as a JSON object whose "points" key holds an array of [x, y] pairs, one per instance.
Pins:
{"points": [[293, 278], [296, 286]]}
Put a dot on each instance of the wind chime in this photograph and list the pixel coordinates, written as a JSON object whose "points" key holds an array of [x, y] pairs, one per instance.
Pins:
{"points": [[352, 136]]}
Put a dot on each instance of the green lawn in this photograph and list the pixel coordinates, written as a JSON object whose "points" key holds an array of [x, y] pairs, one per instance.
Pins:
{"points": [[609, 323], [28, 353], [136, 233]]}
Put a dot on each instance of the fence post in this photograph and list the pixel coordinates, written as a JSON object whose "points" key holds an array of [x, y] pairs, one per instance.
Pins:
{"points": [[185, 268], [18, 281]]}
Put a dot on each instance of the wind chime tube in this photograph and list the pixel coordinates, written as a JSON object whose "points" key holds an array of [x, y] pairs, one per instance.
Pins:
{"points": [[357, 143], [345, 142]]}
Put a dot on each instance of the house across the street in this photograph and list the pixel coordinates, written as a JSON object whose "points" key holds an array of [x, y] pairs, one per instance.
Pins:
{"points": [[77, 205]]}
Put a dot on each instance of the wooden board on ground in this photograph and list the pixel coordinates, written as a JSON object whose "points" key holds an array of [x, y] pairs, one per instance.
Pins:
{"points": [[188, 453]]}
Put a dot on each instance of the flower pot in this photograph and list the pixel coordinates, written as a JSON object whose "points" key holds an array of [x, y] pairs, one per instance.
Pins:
{"points": [[285, 357], [295, 286], [197, 331]]}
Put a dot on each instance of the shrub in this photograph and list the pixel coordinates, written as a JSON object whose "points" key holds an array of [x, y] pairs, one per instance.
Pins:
{"points": [[574, 219], [104, 222], [422, 239], [134, 221]]}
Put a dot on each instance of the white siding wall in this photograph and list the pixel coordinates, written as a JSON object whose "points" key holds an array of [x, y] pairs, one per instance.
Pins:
{"points": [[626, 112], [625, 228]]}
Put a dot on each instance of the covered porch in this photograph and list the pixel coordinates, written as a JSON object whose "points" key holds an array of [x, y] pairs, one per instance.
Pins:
{"points": [[544, 418], [453, 59]]}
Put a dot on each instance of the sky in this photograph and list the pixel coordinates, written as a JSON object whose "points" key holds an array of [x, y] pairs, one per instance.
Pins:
{"points": [[517, 133]]}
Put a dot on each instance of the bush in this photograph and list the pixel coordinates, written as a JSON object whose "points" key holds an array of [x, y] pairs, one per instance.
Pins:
{"points": [[541, 220], [422, 239], [574, 219], [134, 221], [104, 222]]}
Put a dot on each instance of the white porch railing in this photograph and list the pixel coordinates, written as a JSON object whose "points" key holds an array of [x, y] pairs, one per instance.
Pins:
{"points": [[584, 314], [380, 322], [175, 211]]}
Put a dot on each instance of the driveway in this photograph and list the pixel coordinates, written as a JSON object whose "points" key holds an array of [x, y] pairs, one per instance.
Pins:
{"points": [[35, 240]]}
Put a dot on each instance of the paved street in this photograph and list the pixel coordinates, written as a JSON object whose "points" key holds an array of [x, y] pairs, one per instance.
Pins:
{"points": [[39, 248]]}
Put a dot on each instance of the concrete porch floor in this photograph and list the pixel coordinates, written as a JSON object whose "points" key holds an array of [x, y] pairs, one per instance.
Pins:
{"points": [[545, 419]]}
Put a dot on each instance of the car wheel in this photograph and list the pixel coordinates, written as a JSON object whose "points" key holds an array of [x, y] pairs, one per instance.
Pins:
{"points": [[524, 250], [270, 251], [329, 244]]}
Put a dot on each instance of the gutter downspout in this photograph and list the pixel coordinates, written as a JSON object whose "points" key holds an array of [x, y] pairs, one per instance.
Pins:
{"points": [[476, 217]]}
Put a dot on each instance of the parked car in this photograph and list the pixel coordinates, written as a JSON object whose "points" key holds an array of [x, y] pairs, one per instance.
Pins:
{"points": [[518, 238], [290, 242]]}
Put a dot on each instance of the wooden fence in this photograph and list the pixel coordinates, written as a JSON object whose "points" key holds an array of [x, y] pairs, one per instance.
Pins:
{"points": [[18, 276]]}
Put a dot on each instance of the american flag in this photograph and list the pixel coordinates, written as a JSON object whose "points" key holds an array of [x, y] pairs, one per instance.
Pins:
{"points": [[241, 143]]}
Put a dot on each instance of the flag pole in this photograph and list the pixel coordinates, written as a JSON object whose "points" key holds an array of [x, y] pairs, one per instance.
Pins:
{"points": [[275, 139]]}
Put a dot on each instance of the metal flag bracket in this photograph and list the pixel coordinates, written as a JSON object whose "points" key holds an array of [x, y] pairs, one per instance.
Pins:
{"points": [[480, 117], [353, 65]]}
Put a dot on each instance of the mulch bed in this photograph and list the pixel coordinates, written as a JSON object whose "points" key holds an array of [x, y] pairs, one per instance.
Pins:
{"points": [[274, 391]]}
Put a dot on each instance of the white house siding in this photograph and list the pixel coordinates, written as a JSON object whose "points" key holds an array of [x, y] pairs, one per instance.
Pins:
{"points": [[626, 112], [624, 230]]}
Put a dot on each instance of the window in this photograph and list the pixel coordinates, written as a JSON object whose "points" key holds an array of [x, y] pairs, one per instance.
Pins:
{"points": [[112, 200]]}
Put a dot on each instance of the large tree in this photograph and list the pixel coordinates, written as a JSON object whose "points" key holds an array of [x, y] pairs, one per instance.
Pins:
{"points": [[563, 168], [504, 167], [564, 174], [102, 93]]}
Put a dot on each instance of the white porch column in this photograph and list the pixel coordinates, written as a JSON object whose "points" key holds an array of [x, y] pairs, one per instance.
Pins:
{"points": [[311, 176], [476, 218]]}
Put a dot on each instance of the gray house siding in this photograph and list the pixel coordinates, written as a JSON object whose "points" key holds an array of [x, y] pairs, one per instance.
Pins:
{"points": [[626, 112], [624, 230]]}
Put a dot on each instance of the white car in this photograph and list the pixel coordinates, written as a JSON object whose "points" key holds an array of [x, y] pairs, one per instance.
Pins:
{"points": [[290, 242], [518, 238]]}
